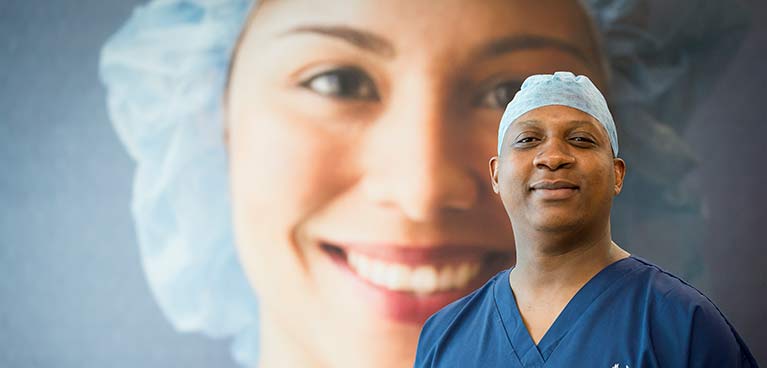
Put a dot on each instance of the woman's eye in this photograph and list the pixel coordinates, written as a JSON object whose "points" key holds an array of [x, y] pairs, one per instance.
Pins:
{"points": [[501, 95], [346, 83]]}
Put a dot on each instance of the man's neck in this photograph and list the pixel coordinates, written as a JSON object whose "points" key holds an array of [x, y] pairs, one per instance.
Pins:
{"points": [[548, 261], [552, 267]]}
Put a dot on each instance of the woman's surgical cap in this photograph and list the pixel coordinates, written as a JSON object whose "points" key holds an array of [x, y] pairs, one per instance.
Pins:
{"points": [[564, 89], [165, 72]]}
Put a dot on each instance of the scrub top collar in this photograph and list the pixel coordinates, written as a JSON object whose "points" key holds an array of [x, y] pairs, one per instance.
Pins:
{"points": [[531, 355]]}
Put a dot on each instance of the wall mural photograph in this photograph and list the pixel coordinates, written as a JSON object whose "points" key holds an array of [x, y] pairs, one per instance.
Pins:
{"points": [[238, 183]]}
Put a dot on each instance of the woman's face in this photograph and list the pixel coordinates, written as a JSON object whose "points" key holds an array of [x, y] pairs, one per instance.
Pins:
{"points": [[359, 134]]}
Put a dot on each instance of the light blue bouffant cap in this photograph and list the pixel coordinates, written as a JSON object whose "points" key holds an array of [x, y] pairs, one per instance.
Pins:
{"points": [[165, 73], [560, 88]]}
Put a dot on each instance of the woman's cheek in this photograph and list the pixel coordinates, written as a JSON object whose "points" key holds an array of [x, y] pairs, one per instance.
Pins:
{"points": [[282, 171]]}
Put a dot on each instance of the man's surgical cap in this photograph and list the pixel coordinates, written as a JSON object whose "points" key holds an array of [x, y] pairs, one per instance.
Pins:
{"points": [[165, 73], [564, 89]]}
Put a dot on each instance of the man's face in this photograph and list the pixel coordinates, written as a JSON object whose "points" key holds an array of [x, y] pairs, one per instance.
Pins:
{"points": [[556, 171]]}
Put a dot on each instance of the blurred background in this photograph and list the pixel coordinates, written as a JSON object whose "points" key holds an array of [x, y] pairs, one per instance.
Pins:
{"points": [[72, 292]]}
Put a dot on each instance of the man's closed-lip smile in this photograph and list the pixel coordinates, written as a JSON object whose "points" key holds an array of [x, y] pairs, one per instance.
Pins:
{"points": [[554, 189]]}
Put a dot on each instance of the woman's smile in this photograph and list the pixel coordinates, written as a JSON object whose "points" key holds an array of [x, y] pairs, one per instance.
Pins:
{"points": [[409, 282]]}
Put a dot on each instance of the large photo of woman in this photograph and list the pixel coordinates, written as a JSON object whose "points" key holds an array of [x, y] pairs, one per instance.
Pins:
{"points": [[311, 178], [346, 144]]}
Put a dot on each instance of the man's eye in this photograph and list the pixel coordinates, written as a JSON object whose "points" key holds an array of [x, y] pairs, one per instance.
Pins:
{"points": [[345, 83], [501, 95], [526, 140], [583, 139]]}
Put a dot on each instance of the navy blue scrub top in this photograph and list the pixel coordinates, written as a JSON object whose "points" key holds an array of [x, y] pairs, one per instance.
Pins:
{"points": [[631, 314]]}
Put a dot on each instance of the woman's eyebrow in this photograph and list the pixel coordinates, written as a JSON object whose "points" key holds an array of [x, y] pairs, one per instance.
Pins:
{"points": [[527, 42], [359, 38]]}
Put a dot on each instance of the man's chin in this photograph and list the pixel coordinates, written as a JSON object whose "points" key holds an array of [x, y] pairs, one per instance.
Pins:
{"points": [[557, 225]]}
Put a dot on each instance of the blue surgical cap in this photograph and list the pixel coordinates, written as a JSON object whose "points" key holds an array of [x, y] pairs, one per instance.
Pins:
{"points": [[165, 72], [560, 88]]}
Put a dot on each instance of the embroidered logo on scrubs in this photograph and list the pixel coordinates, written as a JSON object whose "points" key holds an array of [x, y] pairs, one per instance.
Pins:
{"points": [[619, 366]]}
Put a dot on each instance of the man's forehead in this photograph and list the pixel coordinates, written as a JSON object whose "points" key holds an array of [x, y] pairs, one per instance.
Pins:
{"points": [[561, 116]]}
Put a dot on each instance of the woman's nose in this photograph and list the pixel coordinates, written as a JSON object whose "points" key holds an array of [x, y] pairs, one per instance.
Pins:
{"points": [[418, 162], [552, 155]]}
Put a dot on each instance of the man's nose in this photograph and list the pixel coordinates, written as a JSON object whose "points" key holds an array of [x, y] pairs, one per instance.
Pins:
{"points": [[553, 154], [418, 161]]}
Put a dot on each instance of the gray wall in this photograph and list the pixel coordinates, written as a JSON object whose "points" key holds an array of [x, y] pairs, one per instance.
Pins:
{"points": [[729, 132], [72, 293]]}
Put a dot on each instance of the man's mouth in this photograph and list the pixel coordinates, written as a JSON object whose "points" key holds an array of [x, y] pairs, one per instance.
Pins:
{"points": [[553, 185], [554, 190]]}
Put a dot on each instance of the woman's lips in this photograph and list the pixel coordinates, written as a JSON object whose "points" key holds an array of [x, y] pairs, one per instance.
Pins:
{"points": [[409, 284]]}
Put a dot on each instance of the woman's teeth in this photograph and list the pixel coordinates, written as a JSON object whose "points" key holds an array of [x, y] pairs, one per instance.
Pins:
{"points": [[423, 279]]}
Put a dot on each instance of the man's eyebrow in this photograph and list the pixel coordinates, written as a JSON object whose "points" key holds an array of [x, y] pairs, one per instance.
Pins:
{"points": [[527, 42], [359, 38], [527, 123], [595, 125], [579, 123]]}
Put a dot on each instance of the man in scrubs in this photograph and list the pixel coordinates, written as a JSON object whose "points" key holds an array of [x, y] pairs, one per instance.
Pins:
{"points": [[574, 298]]}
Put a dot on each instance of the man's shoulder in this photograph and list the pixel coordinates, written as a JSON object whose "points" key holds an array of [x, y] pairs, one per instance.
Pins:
{"points": [[687, 319], [665, 290], [663, 295]]}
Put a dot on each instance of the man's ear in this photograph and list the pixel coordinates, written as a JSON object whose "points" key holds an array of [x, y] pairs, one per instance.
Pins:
{"points": [[493, 165], [619, 167]]}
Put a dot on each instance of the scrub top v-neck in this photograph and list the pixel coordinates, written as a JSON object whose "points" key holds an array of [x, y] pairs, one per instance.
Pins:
{"points": [[522, 344], [631, 314]]}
